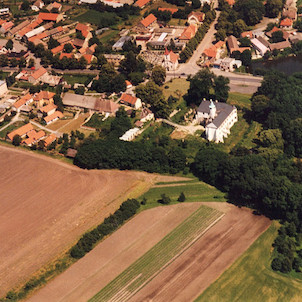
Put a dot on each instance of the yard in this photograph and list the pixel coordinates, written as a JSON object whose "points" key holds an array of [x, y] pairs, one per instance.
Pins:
{"points": [[240, 100], [10, 128], [250, 278], [194, 190], [177, 87], [159, 256], [77, 78]]}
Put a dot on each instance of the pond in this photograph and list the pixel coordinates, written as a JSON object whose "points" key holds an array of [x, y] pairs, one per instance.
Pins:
{"points": [[288, 65]]}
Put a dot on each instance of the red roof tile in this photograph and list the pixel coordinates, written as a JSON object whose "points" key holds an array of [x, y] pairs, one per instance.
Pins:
{"points": [[148, 20]]}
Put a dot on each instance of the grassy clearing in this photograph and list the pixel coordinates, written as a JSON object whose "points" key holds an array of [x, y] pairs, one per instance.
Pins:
{"points": [[240, 100], [194, 190], [78, 78], [11, 128], [178, 87], [177, 22], [250, 278], [158, 257], [74, 124], [92, 16], [109, 35]]}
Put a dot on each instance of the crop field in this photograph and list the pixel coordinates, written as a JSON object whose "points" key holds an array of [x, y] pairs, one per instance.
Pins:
{"points": [[150, 264], [46, 205], [194, 190], [251, 279]]}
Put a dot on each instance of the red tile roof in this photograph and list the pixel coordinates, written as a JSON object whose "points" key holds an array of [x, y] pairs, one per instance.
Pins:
{"points": [[20, 131], [81, 27], [22, 101], [189, 32], [128, 99], [198, 15], [48, 108], [210, 52], [38, 73], [57, 49], [33, 136], [141, 3], [167, 9], [286, 22], [44, 95], [49, 139], [57, 114], [48, 16], [66, 55], [148, 20], [88, 58]]}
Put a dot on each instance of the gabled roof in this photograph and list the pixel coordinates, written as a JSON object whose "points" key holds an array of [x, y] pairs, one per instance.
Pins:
{"points": [[173, 57], [128, 99], [48, 108], [57, 49], [198, 15], [148, 20], [189, 32], [20, 131], [106, 106], [167, 9], [48, 16], [56, 5], [49, 118], [49, 139], [286, 22], [141, 3], [33, 136], [44, 95], [38, 73], [210, 52], [230, 2], [81, 27], [88, 58], [248, 34], [66, 55], [22, 101]]}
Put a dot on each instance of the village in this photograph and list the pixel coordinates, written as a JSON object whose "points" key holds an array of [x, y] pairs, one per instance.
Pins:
{"points": [[41, 97]]}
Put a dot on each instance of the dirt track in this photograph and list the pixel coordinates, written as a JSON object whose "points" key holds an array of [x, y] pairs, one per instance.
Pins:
{"points": [[112, 256], [46, 205], [206, 260]]}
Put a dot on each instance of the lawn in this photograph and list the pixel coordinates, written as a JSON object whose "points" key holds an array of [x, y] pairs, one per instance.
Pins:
{"points": [[93, 17], [195, 191], [74, 124], [109, 35], [177, 22], [178, 87], [158, 257], [250, 278], [11, 128], [78, 78], [240, 100]]}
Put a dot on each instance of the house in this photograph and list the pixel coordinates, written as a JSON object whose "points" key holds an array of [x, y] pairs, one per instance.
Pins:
{"points": [[22, 131], [146, 115], [280, 45], [4, 11], [260, 46], [107, 107], [196, 18], [170, 60], [290, 10], [218, 117], [188, 33], [35, 77], [48, 109], [6, 26], [50, 17], [247, 34], [230, 2], [130, 134], [71, 153], [229, 64], [210, 53], [147, 24], [130, 100], [275, 29], [114, 59], [37, 5], [43, 98], [49, 139], [286, 23], [33, 137], [118, 45], [25, 100], [17, 28], [166, 9], [141, 3], [54, 6], [3, 88], [53, 117], [232, 44]]}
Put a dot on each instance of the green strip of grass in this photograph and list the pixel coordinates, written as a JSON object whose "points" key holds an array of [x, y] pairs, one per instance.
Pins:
{"points": [[158, 257], [251, 278]]}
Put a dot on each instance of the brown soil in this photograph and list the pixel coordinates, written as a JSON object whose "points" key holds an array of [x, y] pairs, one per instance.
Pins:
{"points": [[46, 205], [112, 256], [178, 134], [193, 271]]}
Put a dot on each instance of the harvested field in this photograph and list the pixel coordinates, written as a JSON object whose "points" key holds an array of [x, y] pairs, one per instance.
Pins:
{"points": [[199, 266], [46, 205], [115, 254]]}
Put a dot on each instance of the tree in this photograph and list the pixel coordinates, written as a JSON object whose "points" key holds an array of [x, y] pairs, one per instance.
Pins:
{"points": [[31, 63], [273, 7], [222, 88], [271, 138], [17, 140], [251, 11], [25, 5], [277, 36], [80, 90], [132, 64], [158, 75], [181, 197], [246, 57], [200, 86], [52, 43], [245, 42], [164, 199], [9, 44], [68, 48], [239, 27]]}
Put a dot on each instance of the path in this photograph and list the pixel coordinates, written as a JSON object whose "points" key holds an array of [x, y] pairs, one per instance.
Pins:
{"points": [[14, 119], [57, 133], [189, 128]]}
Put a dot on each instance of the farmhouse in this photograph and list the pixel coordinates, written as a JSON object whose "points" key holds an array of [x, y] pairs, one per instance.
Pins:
{"points": [[188, 33], [33, 137], [25, 100], [141, 3], [130, 100], [49, 139], [53, 117], [147, 24], [218, 117], [43, 98], [22, 131], [48, 109], [196, 18]]}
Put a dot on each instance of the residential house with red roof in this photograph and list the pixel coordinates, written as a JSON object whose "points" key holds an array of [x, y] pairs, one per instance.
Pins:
{"points": [[50, 17], [53, 117], [48, 109], [54, 6], [22, 131], [130, 100], [33, 137], [188, 33], [196, 18], [37, 5], [36, 76], [25, 100], [286, 23], [147, 24], [49, 139], [43, 98], [141, 3]]}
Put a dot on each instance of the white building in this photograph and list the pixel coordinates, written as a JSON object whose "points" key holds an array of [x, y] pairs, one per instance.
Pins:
{"points": [[259, 46], [229, 64], [3, 88], [218, 118], [130, 134], [37, 5], [170, 61]]}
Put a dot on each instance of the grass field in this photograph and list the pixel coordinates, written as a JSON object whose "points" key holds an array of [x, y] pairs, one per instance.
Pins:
{"points": [[11, 128], [78, 78], [177, 85], [240, 100], [158, 257], [250, 278], [195, 191]]}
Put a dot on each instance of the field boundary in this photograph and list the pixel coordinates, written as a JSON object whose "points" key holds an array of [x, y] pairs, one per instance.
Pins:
{"points": [[161, 255], [175, 257]]}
